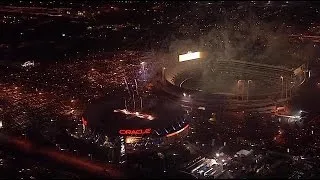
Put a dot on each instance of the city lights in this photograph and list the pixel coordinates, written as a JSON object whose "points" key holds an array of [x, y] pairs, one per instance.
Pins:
{"points": [[97, 88], [27, 64]]}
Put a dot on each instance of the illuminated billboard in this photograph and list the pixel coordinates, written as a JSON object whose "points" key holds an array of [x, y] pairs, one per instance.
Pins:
{"points": [[134, 131], [131, 140], [189, 56]]}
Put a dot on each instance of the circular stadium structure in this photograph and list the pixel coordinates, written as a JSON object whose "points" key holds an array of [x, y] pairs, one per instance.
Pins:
{"points": [[157, 123], [236, 85]]}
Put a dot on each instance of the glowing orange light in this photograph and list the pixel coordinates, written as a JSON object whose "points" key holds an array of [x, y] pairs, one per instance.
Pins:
{"points": [[177, 132], [84, 122], [131, 139], [137, 114]]}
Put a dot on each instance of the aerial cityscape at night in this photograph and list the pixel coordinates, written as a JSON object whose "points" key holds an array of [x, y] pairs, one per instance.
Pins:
{"points": [[159, 89]]}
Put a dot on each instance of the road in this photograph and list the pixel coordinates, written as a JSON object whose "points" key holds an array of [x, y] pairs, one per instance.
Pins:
{"points": [[81, 163]]}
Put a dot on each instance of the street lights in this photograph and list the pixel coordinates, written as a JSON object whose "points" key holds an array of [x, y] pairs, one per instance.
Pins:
{"points": [[248, 89], [90, 155], [76, 151], [281, 77]]}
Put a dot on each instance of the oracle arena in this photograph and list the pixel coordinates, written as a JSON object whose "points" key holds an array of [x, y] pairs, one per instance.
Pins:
{"points": [[236, 85], [155, 125]]}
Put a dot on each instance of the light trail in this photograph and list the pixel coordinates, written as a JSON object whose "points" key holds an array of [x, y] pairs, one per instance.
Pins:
{"points": [[177, 132], [111, 171]]}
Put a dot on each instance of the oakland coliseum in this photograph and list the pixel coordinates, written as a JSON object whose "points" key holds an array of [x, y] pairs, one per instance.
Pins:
{"points": [[232, 84]]}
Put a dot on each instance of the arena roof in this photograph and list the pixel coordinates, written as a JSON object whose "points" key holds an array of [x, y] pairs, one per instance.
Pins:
{"points": [[101, 115]]}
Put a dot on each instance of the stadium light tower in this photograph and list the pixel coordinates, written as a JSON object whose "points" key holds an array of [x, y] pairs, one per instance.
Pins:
{"points": [[242, 89], [286, 89], [163, 71], [238, 86], [248, 89], [281, 77]]}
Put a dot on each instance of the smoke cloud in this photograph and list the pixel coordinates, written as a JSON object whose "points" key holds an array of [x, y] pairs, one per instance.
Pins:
{"points": [[244, 36], [238, 34]]}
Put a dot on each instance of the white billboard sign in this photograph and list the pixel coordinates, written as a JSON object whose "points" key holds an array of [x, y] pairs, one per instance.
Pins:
{"points": [[189, 56]]}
